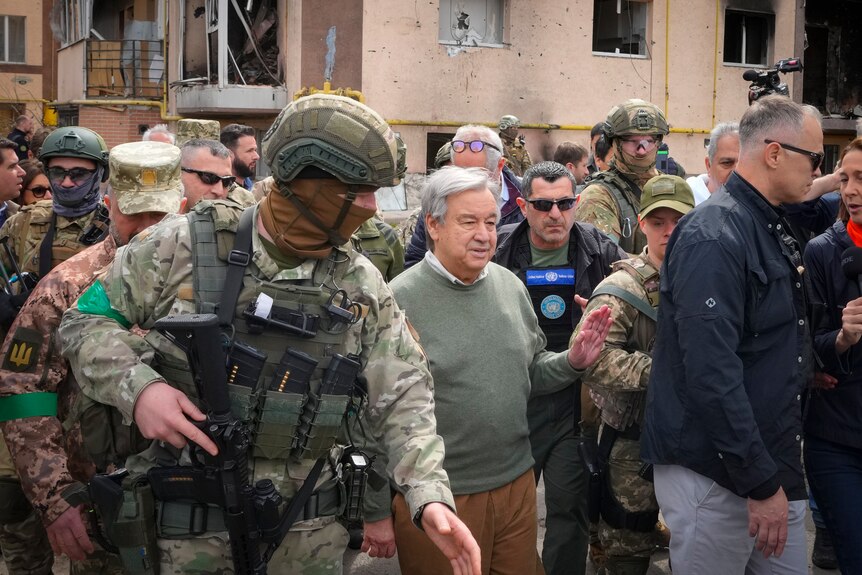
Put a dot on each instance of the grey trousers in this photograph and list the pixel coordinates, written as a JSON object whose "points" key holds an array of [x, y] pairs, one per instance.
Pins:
{"points": [[709, 528]]}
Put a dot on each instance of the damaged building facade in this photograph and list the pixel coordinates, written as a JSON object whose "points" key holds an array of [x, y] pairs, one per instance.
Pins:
{"points": [[427, 67]]}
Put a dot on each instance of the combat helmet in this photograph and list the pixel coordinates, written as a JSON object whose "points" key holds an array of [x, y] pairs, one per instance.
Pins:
{"points": [[508, 121], [76, 142], [336, 134], [635, 116]]}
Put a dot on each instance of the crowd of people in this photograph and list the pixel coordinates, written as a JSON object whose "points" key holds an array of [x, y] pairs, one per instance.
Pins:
{"points": [[647, 345]]}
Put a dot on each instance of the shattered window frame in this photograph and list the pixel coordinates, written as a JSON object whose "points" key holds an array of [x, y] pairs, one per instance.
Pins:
{"points": [[13, 42], [462, 20], [746, 31], [614, 22]]}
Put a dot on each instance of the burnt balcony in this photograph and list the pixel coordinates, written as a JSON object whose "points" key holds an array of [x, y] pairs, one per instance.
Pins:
{"points": [[111, 69]]}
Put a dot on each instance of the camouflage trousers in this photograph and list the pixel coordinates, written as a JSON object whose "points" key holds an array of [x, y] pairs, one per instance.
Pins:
{"points": [[305, 551], [634, 494], [25, 544]]}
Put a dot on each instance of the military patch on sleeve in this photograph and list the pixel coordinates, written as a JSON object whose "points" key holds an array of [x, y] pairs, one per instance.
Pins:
{"points": [[23, 353]]}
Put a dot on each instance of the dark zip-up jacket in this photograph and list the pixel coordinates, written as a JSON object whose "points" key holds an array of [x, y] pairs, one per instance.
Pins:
{"points": [[733, 352], [834, 414]]}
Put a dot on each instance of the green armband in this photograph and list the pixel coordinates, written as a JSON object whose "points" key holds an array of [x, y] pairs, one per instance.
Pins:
{"points": [[95, 301], [41, 404]]}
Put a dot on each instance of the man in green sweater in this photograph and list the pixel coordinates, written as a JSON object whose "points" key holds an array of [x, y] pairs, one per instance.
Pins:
{"points": [[487, 355]]}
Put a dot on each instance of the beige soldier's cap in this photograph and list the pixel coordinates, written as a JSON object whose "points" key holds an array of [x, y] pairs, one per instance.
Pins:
{"points": [[664, 191], [189, 129], [145, 177]]}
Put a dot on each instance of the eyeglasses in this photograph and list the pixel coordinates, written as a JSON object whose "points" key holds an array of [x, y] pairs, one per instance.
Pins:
{"points": [[564, 204], [210, 178], [476, 146], [814, 157], [648, 142], [78, 175], [38, 191]]}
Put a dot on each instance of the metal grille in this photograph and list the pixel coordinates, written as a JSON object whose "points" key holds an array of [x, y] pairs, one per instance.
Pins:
{"points": [[124, 69]]}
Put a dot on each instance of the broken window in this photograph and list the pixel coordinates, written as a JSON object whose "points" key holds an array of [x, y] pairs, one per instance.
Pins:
{"points": [[71, 20], [471, 22], [746, 37], [12, 39], [619, 27]]}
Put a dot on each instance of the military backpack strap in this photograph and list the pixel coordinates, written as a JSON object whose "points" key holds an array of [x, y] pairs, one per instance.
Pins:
{"points": [[237, 260], [46, 249], [628, 297], [626, 195], [208, 275]]}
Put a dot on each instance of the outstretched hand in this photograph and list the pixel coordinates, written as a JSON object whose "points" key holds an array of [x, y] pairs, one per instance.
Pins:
{"points": [[587, 345], [453, 538]]}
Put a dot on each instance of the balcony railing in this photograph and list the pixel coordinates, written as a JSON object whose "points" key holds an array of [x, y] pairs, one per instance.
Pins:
{"points": [[124, 69]]}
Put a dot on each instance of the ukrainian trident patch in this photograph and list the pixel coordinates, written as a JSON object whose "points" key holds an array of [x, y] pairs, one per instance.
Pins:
{"points": [[23, 352]]}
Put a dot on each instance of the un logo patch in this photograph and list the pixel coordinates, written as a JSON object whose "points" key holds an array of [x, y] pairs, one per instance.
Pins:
{"points": [[553, 307]]}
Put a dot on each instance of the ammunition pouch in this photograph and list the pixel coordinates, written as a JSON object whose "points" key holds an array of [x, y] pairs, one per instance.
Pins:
{"points": [[612, 511], [106, 439], [320, 425], [14, 505], [277, 426], [128, 516]]}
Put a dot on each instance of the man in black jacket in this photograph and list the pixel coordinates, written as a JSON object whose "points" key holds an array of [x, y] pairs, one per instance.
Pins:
{"points": [[732, 358], [557, 258], [475, 146]]}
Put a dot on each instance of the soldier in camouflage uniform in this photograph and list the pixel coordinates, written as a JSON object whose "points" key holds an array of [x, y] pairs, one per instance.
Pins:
{"points": [[297, 244], [41, 236], [610, 201], [144, 185], [189, 129], [514, 145], [376, 240], [618, 380]]}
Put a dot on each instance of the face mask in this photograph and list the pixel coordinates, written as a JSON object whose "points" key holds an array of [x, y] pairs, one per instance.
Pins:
{"points": [[641, 169], [78, 200], [296, 234]]}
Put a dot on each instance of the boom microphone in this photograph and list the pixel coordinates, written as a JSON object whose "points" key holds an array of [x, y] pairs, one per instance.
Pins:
{"points": [[750, 75]]}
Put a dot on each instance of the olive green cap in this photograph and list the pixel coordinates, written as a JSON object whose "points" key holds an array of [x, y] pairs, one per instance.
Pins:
{"points": [[145, 177], [664, 191], [189, 129]]}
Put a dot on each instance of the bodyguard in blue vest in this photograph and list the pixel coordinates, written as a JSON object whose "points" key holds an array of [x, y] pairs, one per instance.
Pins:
{"points": [[557, 258]]}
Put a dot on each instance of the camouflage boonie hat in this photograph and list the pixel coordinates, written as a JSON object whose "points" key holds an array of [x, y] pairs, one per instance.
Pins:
{"points": [[666, 191], [336, 134], [635, 117], [444, 154], [145, 177], [189, 129]]}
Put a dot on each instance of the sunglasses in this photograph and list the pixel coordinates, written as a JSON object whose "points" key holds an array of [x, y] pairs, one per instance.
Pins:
{"points": [[647, 143], [476, 146], [815, 158], [77, 175], [210, 178], [563, 204], [38, 191]]}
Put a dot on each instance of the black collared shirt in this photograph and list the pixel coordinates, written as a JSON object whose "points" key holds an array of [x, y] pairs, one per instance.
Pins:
{"points": [[733, 353]]}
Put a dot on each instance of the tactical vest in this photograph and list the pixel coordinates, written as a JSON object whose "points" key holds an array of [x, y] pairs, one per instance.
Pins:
{"points": [[621, 410], [552, 293], [254, 391], [627, 197], [370, 242]]}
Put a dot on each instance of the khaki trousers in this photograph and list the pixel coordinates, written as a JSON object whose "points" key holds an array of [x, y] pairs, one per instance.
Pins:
{"points": [[502, 520]]}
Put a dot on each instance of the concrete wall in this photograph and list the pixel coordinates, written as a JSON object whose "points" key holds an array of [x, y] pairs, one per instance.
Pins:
{"points": [[547, 72]]}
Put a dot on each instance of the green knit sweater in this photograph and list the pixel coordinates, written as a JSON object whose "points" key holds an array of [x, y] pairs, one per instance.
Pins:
{"points": [[485, 348]]}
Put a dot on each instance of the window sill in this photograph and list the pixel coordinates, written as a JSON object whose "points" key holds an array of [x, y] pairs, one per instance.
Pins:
{"points": [[740, 65], [621, 55], [468, 45]]}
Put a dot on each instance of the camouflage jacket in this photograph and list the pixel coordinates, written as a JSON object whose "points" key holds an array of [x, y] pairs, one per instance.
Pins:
{"points": [[618, 379], [376, 240], [152, 278], [26, 229], [517, 156], [405, 229], [598, 206], [31, 363]]}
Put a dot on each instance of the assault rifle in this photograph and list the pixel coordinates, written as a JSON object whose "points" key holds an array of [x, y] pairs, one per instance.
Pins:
{"points": [[251, 513]]}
